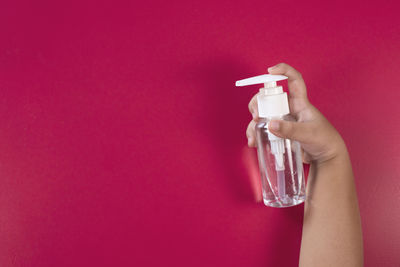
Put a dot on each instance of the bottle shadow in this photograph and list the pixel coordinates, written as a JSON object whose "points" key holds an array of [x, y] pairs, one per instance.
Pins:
{"points": [[227, 118]]}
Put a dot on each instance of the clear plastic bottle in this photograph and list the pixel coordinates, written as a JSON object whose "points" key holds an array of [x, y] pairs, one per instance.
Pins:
{"points": [[280, 160], [283, 179]]}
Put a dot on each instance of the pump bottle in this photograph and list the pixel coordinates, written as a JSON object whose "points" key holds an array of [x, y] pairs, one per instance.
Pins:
{"points": [[280, 160]]}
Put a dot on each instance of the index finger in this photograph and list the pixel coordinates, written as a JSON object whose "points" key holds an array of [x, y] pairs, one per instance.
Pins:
{"points": [[297, 87]]}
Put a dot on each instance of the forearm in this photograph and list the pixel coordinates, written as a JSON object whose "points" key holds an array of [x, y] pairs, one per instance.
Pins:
{"points": [[332, 227]]}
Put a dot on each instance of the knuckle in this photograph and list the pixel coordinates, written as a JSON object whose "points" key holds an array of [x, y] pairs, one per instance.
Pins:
{"points": [[297, 74], [282, 65], [299, 77]]}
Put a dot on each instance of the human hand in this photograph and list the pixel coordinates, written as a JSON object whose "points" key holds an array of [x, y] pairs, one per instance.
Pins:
{"points": [[318, 138]]}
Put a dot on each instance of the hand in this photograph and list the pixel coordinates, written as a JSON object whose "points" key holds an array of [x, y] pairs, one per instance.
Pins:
{"points": [[318, 138]]}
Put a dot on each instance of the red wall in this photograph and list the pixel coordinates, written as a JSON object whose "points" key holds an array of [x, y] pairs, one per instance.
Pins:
{"points": [[122, 134]]}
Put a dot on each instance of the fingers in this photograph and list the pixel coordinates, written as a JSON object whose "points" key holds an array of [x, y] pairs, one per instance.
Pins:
{"points": [[297, 87], [251, 134], [253, 107], [299, 131]]}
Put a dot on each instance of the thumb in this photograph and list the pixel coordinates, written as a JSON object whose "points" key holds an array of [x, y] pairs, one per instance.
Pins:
{"points": [[299, 131]]}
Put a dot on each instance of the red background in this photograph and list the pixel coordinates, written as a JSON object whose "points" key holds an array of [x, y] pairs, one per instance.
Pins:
{"points": [[122, 134]]}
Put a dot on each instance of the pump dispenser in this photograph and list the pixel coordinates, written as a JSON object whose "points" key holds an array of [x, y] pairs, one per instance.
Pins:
{"points": [[282, 174]]}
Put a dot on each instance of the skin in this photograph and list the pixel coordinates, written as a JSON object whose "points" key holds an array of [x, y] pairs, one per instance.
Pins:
{"points": [[332, 233]]}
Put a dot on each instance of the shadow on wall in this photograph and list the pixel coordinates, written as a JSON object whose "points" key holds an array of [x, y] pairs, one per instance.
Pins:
{"points": [[226, 117]]}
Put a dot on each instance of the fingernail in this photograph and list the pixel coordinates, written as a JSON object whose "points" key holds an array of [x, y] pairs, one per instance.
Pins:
{"points": [[273, 125]]}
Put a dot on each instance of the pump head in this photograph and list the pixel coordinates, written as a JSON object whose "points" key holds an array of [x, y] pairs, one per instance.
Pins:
{"points": [[272, 101]]}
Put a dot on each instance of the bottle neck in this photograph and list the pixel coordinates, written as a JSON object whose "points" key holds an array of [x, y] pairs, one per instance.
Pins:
{"points": [[271, 106], [281, 117]]}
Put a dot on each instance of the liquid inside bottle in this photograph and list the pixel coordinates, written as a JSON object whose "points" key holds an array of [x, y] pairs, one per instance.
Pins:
{"points": [[282, 182]]}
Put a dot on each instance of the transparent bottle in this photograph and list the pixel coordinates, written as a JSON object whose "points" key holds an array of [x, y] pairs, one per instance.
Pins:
{"points": [[280, 160], [281, 168]]}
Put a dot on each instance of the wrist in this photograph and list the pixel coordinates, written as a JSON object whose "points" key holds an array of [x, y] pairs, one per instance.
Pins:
{"points": [[338, 155]]}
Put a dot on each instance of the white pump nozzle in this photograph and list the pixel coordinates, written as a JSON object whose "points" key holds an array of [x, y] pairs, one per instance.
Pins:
{"points": [[268, 79], [272, 101], [272, 104]]}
